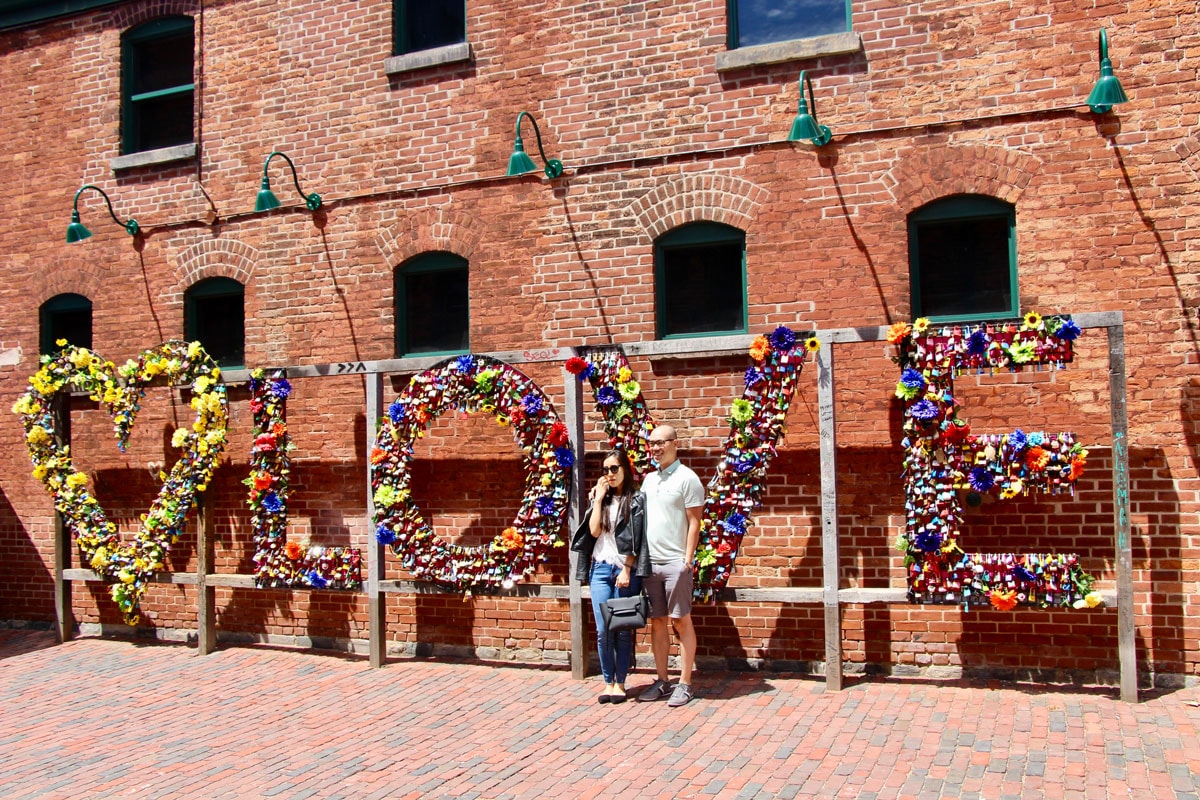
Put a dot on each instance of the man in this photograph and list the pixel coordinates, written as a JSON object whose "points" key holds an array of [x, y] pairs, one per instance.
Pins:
{"points": [[674, 499]]}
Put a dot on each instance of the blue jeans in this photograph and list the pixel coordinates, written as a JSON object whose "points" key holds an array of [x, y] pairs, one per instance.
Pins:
{"points": [[615, 656]]}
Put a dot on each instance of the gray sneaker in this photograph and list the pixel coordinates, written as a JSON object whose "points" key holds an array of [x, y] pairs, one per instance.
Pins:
{"points": [[659, 690], [681, 695]]}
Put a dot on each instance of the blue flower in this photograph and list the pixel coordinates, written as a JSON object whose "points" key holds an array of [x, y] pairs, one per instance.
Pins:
{"points": [[531, 403], [912, 378], [1020, 573], [564, 456], [981, 479], [280, 387], [928, 541], [1017, 440], [923, 410], [544, 506], [464, 363], [978, 343], [753, 376], [589, 372], [385, 535], [782, 339], [744, 466], [396, 412], [315, 580], [734, 523], [272, 503], [1068, 330], [1036, 439], [607, 396]]}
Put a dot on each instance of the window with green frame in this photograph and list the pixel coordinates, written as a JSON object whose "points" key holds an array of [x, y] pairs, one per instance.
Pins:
{"points": [[962, 256], [425, 24], [752, 22], [157, 66], [433, 305], [700, 280], [214, 314], [64, 316]]}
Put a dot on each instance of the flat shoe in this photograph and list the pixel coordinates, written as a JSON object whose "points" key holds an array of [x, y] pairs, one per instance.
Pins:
{"points": [[604, 698], [617, 699]]}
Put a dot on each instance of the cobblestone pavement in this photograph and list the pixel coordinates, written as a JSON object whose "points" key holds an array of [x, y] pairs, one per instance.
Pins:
{"points": [[109, 718]]}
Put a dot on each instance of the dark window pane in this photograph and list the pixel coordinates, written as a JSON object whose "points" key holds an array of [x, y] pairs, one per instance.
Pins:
{"points": [[437, 311], [702, 289], [162, 63], [157, 89], [763, 21], [963, 267], [67, 316], [216, 317], [425, 24], [164, 121]]}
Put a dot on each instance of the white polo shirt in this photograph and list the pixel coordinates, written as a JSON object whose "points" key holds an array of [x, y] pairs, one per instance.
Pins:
{"points": [[669, 493]]}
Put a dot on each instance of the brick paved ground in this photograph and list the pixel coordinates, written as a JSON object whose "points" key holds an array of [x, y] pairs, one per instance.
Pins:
{"points": [[120, 719]]}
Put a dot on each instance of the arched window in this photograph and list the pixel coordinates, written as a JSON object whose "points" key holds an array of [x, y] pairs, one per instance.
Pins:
{"points": [[157, 84], [432, 305], [700, 280], [214, 314], [962, 257], [64, 317]]}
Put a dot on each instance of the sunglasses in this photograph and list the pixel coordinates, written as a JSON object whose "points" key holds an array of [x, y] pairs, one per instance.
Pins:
{"points": [[613, 470]]}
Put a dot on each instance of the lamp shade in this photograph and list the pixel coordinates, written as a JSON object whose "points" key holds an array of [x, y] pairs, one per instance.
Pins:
{"points": [[805, 127], [266, 199], [1108, 91], [76, 232], [519, 162]]}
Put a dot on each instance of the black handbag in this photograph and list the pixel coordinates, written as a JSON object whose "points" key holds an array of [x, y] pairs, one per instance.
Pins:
{"points": [[625, 613]]}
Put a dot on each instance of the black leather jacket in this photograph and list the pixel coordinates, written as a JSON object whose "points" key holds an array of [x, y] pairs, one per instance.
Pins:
{"points": [[631, 539]]}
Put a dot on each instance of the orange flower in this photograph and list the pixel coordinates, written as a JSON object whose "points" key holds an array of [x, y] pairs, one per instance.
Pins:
{"points": [[279, 429], [759, 348], [1076, 468], [378, 454], [511, 539], [1036, 458], [262, 480], [898, 332], [293, 551], [1003, 601]]}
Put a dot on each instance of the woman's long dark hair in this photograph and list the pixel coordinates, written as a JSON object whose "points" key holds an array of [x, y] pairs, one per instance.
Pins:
{"points": [[625, 498]]}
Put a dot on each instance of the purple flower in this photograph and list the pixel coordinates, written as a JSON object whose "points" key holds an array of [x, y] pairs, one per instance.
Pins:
{"points": [[978, 343], [544, 506], [981, 479], [531, 403], [734, 523], [385, 535], [912, 378], [564, 456], [1020, 573], [753, 376], [923, 410], [782, 339], [607, 396], [928, 541], [315, 580], [272, 503], [396, 412], [1068, 330], [742, 467], [464, 363], [281, 388]]}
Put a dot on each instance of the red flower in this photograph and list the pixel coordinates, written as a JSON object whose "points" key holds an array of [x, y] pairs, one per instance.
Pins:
{"points": [[293, 550], [262, 480], [378, 454], [558, 434], [255, 405], [576, 365], [279, 429], [264, 443]]}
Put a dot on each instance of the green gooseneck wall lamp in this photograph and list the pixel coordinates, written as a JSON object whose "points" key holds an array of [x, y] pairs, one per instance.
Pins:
{"points": [[1107, 92], [519, 162], [267, 200], [805, 126], [76, 232]]}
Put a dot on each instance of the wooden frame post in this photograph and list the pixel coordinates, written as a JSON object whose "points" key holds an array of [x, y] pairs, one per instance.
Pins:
{"points": [[1126, 627], [831, 581], [376, 599], [206, 594], [573, 411], [64, 619]]}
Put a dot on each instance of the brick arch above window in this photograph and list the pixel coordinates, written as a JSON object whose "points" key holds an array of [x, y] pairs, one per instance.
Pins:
{"points": [[923, 175], [215, 258], [65, 277], [439, 229], [131, 14], [699, 198]]}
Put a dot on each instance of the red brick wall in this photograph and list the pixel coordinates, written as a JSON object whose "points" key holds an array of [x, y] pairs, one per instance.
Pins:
{"points": [[944, 98]]}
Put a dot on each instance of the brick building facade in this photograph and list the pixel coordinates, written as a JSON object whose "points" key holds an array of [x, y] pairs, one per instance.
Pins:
{"points": [[662, 124]]}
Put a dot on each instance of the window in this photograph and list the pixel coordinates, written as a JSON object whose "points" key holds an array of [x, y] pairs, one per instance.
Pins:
{"points": [[962, 255], [64, 316], [753, 22], [426, 24], [432, 305], [700, 280], [157, 59], [214, 314]]}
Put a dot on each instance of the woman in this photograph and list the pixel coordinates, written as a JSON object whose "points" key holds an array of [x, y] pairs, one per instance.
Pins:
{"points": [[613, 558]]}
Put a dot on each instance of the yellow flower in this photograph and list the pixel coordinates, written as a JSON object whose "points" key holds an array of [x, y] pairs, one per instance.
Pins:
{"points": [[920, 324], [38, 435], [24, 406], [194, 349], [1033, 321], [77, 479], [81, 358], [812, 344], [202, 384], [60, 342], [99, 559], [40, 471], [179, 437], [1093, 599], [1012, 490], [624, 374]]}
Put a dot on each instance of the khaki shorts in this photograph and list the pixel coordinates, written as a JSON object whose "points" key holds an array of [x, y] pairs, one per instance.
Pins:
{"points": [[669, 588]]}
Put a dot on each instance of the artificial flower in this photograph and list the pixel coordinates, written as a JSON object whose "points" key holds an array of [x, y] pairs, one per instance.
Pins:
{"points": [[981, 479], [782, 339], [293, 550], [576, 365], [759, 348], [920, 325], [812, 344], [741, 411], [898, 332], [923, 410], [1033, 321], [1068, 331], [1036, 458], [629, 390], [1002, 600], [1022, 352]]}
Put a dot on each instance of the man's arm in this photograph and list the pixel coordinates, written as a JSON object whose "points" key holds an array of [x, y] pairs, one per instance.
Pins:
{"points": [[693, 533]]}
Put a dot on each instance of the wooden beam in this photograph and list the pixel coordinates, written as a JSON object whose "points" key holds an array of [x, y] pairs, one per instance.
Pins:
{"points": [[376, 600], [830, 577]]}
